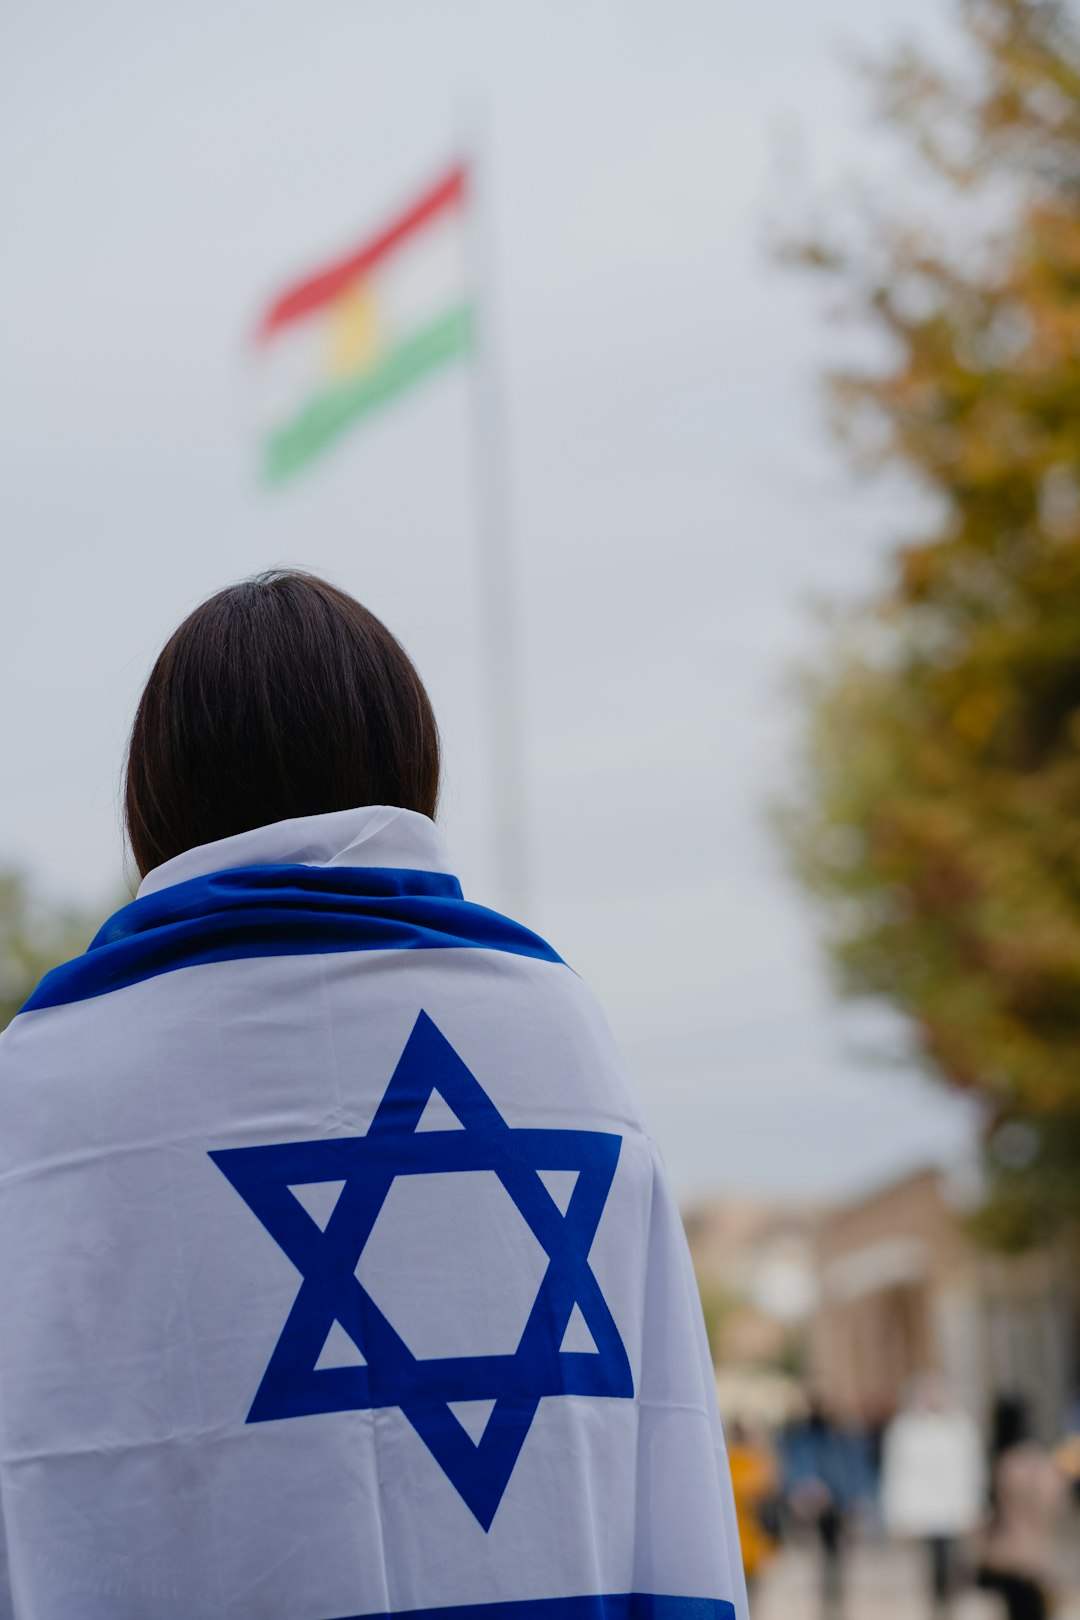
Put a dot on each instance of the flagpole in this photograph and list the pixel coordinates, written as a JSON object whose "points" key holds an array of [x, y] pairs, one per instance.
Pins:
{"points": [[499, 619]]}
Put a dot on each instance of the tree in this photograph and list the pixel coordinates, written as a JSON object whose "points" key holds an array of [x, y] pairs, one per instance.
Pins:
{"points": [[34, 937], [938, 814]]}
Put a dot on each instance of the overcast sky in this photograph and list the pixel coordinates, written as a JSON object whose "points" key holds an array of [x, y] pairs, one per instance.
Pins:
{"points": [[675, 499]]}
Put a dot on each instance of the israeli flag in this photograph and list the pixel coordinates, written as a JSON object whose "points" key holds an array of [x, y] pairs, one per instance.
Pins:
{"points": [[339, 1275]]}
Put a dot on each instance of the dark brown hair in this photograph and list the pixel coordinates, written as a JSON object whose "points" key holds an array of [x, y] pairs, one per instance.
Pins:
{"points": [[278, 697]]}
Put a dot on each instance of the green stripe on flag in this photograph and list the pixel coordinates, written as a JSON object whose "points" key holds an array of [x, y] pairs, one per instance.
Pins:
{"points": [[328, 415]]}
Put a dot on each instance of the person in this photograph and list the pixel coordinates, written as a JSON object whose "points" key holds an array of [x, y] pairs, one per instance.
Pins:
{"points": [[825, 1478], [1030, 1491], [340, 1273], [933, 1480], [753, 1482], [878, 1414]]}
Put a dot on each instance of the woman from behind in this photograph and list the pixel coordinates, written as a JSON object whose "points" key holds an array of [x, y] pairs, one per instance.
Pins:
{"points": [[340, 1275]]}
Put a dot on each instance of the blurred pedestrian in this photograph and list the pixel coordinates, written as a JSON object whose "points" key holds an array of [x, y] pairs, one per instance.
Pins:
{"points": [[824, 1479], [754, 1479], [933, 1480], [877, 1416], [1030, 1489]]}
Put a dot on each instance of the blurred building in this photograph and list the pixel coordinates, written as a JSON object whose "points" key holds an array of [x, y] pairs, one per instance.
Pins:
{"points": [[858, 1298], [904, 1289], [757, 1269]]}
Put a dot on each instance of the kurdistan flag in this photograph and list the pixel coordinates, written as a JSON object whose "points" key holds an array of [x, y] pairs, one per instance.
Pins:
{"points": [[349, 337]]}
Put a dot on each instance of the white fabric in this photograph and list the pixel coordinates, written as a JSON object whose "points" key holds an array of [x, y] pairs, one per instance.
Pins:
{"points": [[378, 835], [142, 1298]]}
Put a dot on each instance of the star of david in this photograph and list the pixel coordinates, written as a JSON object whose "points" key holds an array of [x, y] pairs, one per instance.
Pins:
{"points": [[327, 1258]]}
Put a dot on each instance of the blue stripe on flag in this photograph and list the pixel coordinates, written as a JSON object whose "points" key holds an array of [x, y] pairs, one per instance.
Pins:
{"points": [[621, 1606], [282, 911]]}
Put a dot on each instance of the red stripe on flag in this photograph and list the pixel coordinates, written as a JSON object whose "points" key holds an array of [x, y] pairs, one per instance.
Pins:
{"points": [[315, 291]]}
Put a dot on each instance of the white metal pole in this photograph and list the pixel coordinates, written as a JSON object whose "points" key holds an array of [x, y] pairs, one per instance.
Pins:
{"points": [[499, 619]]}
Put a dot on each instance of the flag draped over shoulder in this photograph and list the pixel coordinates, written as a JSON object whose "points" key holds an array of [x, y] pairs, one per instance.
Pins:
{"points": [[347, 338], [339, 1273]]}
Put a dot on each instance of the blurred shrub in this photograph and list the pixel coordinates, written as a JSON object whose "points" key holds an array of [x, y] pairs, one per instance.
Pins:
{"points": [[34, 937]]}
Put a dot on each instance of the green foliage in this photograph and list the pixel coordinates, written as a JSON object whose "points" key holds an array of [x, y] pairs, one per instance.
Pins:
{"points": [[33, 938], [939, 815]]}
